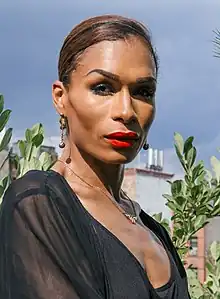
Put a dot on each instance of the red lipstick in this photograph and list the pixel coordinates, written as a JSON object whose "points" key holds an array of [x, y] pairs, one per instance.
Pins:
{"points": [[122, 139]]}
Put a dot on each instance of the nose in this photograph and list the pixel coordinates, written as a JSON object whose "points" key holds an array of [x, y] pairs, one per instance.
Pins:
{"points": [[123, 109]]}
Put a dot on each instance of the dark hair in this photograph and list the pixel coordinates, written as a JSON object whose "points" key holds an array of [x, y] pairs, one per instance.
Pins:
{"points": [[93, 31]]}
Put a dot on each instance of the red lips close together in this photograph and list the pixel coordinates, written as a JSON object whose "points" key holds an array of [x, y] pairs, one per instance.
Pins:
{"points": [[122, 139]]}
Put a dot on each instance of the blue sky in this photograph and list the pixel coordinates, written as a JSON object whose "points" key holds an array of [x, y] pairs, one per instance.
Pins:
{"points": [[188, 97]]}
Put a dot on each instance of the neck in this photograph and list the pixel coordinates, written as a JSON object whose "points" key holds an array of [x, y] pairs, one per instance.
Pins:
{"points": [[93, 171]]}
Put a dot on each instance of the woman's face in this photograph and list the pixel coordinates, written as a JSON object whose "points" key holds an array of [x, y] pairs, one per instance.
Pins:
{"points": [[109, 103]]}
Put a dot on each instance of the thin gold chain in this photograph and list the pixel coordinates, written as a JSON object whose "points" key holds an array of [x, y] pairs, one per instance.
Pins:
{"points": [[131, 218]]}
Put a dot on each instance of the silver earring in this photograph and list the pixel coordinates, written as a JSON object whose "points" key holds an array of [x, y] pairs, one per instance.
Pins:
{"points": [[146, 146]]}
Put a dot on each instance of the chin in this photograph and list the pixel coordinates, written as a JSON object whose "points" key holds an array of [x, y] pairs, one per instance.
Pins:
{"points": [[118, 158]]}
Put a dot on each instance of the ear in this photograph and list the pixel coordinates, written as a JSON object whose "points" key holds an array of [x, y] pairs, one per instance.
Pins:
{"points": [[59, 95]]}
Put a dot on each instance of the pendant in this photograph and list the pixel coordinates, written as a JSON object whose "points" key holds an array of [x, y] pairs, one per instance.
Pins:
{"points": [[133, 219]]}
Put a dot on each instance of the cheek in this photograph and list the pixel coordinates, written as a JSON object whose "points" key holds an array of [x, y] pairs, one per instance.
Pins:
{"points": [[146, 116], [86, 112]]}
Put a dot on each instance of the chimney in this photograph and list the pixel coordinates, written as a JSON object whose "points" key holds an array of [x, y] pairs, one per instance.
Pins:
{"points": [[155, 158], [160, 160], [150, 158]]}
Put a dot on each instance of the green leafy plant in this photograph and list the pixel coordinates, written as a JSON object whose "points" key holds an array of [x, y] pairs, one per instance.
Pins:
{"points": [[194, 200], [6, 138], [210, 289], [29, 157], [212, 283]]}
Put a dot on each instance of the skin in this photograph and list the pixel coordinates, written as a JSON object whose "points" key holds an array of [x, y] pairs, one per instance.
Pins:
{"points": [[96, 105]]}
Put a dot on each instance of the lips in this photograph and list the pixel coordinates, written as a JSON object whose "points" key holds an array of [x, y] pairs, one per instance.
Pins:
{"points": [[123, 135], [122, 139]]}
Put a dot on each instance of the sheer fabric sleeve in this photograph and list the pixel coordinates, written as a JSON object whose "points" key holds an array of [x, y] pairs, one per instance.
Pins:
{"points": [[39, 258]]}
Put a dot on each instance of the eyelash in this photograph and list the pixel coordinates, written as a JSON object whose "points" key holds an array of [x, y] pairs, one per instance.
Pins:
{"points": [[149, 93], [96, 89]]}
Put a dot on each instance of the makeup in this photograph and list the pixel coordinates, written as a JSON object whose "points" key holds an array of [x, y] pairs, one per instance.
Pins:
{"points": [[122, 139]]}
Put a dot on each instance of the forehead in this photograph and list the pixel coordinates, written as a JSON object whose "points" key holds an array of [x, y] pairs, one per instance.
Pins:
{"points": [[129, 59]]}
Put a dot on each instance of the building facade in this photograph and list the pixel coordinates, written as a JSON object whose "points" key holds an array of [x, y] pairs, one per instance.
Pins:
{"points": [[147, 187]]}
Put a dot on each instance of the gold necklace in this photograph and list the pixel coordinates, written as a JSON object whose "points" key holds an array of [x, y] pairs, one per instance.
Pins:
{"points": [[131, 218]]}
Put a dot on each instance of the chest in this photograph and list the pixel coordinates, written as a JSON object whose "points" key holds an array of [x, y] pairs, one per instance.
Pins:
{"points": [[140, 242], [144, 247]]}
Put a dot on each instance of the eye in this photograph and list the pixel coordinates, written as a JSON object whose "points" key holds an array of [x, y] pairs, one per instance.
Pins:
{"points": [[144, 92], [102, 89]]}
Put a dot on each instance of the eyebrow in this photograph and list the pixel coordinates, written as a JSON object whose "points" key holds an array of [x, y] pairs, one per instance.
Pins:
{"points": [[115, 77]]}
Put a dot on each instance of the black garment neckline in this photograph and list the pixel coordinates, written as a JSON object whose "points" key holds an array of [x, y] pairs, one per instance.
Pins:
{"points": [[143, 271]]}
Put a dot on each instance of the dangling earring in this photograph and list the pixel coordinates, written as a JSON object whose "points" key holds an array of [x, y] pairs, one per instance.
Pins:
{"points": [[62, 128], [146, 146]]}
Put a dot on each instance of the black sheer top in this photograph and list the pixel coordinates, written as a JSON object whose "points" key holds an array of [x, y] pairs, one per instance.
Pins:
{"points": [[52, 248]]}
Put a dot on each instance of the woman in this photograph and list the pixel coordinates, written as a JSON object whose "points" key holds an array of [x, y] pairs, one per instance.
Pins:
{"points": [[72, 232]]}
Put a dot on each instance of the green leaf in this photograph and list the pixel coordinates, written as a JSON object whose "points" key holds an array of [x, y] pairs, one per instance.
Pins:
{"points": [[4, 182], [178, 233], [35, 151], [28, 151], [157, 217], [180, 157], [46, 161], [1, 193], [187, 179], [35, 164], [216, 201], [216, 167], [22, 147], [210, 267], [26, 165], [1, 103], [196, 191], [215, 211], [195, 287], [179, 142], [215, 250], [6, 139], [22, 163], [38, 139], [191, 156], [168, 197], [176, 187], [166, 225], [176, 217], [188, 144], [180, 200], [4, 117], [28, 135], [200, 221], [198, 170], [3, 186], [172, 206], [37, 129], [183, 251]]}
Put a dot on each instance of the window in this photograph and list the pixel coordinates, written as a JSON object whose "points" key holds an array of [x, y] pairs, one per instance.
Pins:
{"points": [[193, 246]]}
